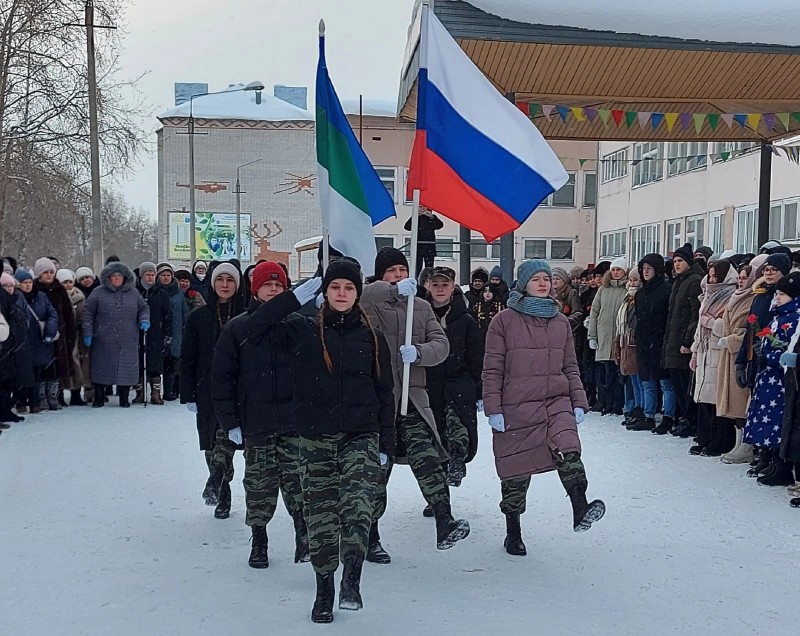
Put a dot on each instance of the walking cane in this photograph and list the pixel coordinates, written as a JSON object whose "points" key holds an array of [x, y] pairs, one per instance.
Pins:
{"points": [[144, 367]]}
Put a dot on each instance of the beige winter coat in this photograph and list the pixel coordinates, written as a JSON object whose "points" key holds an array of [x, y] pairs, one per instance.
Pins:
{"points": [[387, 310], [732, 401], [603, 317]]}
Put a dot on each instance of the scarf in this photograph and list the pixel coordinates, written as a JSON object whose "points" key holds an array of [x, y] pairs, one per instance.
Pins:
{"points": [[532, 305]]}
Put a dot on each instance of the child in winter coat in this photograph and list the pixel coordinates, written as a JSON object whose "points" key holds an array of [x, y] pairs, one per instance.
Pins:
{"points": [[765, 413], [534, 399], [487, 308]]}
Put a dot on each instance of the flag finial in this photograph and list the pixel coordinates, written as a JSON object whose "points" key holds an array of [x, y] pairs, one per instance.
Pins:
{"points": [[322, 28]]}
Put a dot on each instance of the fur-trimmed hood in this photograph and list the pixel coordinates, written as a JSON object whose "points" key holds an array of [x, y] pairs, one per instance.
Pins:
{"points": [[116, 268]]}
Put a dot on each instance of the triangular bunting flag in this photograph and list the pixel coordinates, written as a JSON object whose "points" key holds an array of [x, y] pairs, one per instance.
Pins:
{"points": [[753, 120], [725, 155], [657, 119], [630, 117], [618, 115], [769, 120], [728, 119], [741, 120], [796, 116], [784, 117], [582, 161], [774, 150], [686, 120], [591, 113], [671, 119], [699, 118], [672, 160], [644, 119], [604, 116], [636, 162], [563, 111], [523, 106], [713, 121], [578, 113], [547, 110]]}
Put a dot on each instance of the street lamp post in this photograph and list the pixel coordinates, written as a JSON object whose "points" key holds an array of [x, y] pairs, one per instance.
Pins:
{"points": [[238, 193], [252, 86]]}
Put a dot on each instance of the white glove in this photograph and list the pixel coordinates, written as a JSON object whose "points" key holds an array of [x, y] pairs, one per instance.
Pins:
{"points": [[320, 300], [384, 459], [308, 290], [498, 422], [480, 406], [723, 343], [409, 354], [191, 407], [407, 287], [235, 435], [593, 344], [580, 415], [586, 322]]}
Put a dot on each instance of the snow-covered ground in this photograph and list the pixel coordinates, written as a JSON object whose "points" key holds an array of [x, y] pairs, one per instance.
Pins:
{"points": [[103, 531]]}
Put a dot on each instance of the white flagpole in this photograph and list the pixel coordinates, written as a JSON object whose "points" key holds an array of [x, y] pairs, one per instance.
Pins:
{"points": [[326, 249], [412, 266]]}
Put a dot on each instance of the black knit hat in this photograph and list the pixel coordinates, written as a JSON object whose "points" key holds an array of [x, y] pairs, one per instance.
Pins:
{"points": [[601, 268], [346, 269], [779, 261], [684, 253], [704, 251], [789, 285], [389, 257]]}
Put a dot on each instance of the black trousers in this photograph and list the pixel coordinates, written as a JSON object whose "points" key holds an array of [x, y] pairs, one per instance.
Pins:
{"points": [[681, 379], [424, 259]]}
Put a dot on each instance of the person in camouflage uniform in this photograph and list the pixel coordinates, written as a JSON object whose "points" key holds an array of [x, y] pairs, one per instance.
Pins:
{"points": [[344, 414], [386, 301], [252, 387]]}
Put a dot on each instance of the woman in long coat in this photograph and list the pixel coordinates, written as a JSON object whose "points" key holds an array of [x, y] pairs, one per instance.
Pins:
{"points": [[533, 396], [625, 354], [78, 299], [715, 434], [731, 399], [112, 318], [180, 314]]}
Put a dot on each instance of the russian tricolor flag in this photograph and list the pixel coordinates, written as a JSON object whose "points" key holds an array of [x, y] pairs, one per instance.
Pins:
{"points": [[477, 158]]}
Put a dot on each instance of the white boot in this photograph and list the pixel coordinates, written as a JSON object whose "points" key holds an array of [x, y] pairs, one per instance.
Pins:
{"points": [[742, 452]]}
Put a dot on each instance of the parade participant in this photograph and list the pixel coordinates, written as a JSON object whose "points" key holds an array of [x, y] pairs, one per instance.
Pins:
{"points": [[534, 399], [478, 282], [180, 314], [113, 317], [252, 388], [193, 297], [385, 301], [454, 386], [429, 223], [486, 309], [67, 278], [155, 342], [344, 414], [60, 371], [203, 328]]}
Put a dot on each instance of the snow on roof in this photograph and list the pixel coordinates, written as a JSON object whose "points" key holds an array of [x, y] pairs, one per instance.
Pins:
{"points": [[371, 107], [719, 21], [238, 104]]}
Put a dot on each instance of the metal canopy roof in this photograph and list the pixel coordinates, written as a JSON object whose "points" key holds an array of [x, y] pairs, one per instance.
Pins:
{"points": [[605, 71]]}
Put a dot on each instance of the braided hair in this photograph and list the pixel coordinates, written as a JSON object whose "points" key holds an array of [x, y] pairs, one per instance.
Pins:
{"points": [[326, 356]]}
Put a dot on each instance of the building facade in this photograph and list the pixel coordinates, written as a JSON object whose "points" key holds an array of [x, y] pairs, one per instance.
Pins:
{"points": [[654, 197]]}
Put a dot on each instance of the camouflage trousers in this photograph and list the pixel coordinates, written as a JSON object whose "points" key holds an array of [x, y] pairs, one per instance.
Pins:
{"points": [[338, 474], [417, 438], [570, 471], [457, 434], [221, 455], [269, 466]]}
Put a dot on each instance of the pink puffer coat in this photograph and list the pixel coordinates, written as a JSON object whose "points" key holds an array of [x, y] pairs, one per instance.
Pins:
{"points": [[530, 376]]}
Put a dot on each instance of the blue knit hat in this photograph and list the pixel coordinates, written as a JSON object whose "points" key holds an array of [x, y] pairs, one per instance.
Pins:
{"points": [[529, 269], [22, 275]]}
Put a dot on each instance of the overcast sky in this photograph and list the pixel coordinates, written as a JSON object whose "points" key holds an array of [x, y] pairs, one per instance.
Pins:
{"points": [[273, 41]]}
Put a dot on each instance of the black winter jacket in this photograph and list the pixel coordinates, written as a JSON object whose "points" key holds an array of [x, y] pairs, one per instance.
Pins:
{"points": [[652, 311], [252, 379], [16, 364], [352, 397], [157, 339], [684, 313], [457, 380], [426, 234]]}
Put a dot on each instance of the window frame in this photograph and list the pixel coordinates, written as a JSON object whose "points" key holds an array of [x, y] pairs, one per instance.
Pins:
{"points": [[549, 248], [586, 176], [717, 242], [615, 165], [736, 148], [650, 155], [691, 235], [671, 235], [745, 245], [682, 150], [616, 240], [644, 239], [394, 181]]}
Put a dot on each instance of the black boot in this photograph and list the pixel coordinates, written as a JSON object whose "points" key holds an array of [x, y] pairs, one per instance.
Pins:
{"points": [[781, 475], [223, 509], [99, 396], [764, 460], [448, 530], [584, 514], [349, 592], [666, 425], [375, 551], [513, 543], [323, 604], [169, 394], [301, 553], [427, 511], [213, 485], [124, 396], [75, 398], [258, 552], [646, 424]]}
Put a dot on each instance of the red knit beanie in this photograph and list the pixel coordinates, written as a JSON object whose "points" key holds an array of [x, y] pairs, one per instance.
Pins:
{"points": [[265, 272]]}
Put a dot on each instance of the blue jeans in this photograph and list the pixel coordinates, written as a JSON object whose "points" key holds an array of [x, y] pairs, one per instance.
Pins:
{"points": [[651, 397], [634, 393]]}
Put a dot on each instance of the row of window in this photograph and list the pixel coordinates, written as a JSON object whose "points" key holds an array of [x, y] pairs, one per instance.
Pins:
{"points": [[447, 248], [565, 197], [650, 157]]}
